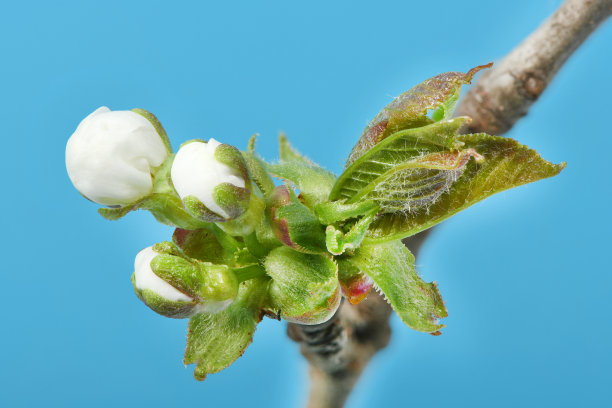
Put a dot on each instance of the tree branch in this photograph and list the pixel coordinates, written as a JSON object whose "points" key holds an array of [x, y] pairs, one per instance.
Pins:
{"points": [[504, 94], [339, 349]]}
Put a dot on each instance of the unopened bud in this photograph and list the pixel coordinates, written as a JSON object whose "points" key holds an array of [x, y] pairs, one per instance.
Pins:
{"points": [[112, 154], [212, 180]]}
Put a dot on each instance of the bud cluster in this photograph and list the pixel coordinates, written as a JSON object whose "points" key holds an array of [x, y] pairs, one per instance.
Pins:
{"points": [[228, 230], [245, 247]]}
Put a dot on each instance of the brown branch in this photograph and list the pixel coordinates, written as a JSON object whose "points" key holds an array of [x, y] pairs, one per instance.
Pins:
{"points": [[504, 94], [339, 350]]}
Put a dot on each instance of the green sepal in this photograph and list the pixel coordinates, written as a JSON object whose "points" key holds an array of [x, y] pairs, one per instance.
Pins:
{"points": [[232, 199], [213, 286], [168, 248], [248, 221], [391, 267], [293, 223], [257, 170], [337, 242], [334, 211], [505, 164], [409, 110], [313, 181], [401, 148], [157, 125], [230, 156], [199, 210], [175, 309], [163, 202], [215, 341], [355, 284], [179, 273], [304, 286], [220, 286]]}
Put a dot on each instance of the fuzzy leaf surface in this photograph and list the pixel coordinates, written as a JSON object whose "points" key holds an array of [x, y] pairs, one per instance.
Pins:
{"points": [[313, 181], [505, 164], [409, 110], [215, 341], [399, 149], [304, 287], [391, 267]]}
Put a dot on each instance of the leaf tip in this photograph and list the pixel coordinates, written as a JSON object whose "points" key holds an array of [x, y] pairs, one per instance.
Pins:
{"points": [[470, 74]]}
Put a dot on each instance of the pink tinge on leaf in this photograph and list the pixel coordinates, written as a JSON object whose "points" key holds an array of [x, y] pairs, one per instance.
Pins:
{"points": [[356, 288], [449, 160], [179, 236], [320, 314], [281, 196], [410, 109]]}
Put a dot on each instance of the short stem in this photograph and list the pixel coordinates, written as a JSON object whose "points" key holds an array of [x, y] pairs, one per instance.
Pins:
{"points": [[249, 272]]}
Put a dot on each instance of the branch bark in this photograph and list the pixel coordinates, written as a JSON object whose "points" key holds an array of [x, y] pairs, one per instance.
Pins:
{"points": [[339, 350], [504, 94]]}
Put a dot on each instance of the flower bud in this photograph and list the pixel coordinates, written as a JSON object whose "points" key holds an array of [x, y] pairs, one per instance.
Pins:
{"points": [[212, 180], [155, 292], [176, 286], [112, 154]]}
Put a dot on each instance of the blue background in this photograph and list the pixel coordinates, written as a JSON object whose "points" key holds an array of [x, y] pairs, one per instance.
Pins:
{"points": [[525, 274]]}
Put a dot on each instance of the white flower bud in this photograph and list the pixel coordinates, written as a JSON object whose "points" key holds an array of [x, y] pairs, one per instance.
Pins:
{"points": [[196, 172], [111, 154], [145, 278]]}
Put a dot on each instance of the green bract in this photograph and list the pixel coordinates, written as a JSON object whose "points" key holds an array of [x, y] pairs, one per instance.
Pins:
{"points": [[293, 250]]}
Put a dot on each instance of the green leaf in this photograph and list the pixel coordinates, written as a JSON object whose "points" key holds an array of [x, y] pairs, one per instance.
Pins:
{"points": [[313, 181], [505, 164], [337, 242], [391, 267], [334, 211], [409, 110], [209, 245], [288, 153], [402, 148], [293, 223], [355, 284], [304, 286], [258, 173], [215, 341]]}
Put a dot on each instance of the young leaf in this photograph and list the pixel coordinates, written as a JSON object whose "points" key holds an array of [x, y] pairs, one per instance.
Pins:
{"points": [[391, 267], [304, 286], [401, 148], [355, 284], [293, 223], [505, 164], [207, 244], [337, 242], [256, 169], [409, 110], [313, 181], [215, 341], [288, 153]]}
